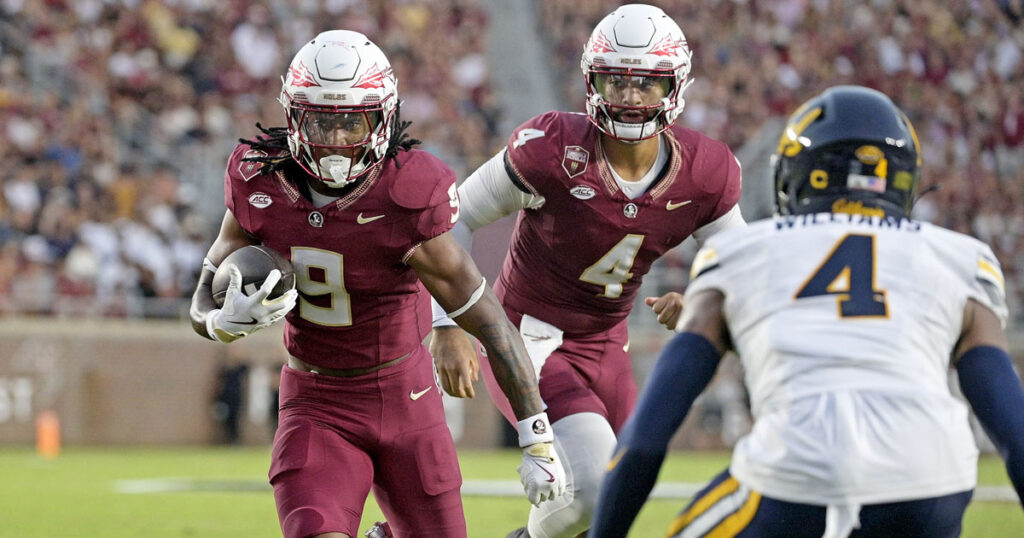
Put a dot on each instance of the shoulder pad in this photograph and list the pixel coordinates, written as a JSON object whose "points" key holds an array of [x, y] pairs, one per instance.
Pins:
{"points": [[974, 265], [241, 169], [422, 180], [545, 131], [538, 147]]}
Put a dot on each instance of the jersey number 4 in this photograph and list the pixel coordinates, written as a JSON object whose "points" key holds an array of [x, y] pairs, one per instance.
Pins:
{"points": [[848, 272], [614, 267]]}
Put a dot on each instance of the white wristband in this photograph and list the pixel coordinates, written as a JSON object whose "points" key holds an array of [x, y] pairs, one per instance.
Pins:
{"points": [[209, 324], [441, 318], [535, 429], [209, 266], [472, 300]]}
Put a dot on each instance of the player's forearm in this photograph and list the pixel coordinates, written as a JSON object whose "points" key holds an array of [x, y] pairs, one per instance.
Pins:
{"points": [[684, 368], [514, 373], [994, 391], [505, 351], [624, 491]]}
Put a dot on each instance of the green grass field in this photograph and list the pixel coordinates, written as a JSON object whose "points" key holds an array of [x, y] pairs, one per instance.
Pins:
{"points": [[76, 495]]}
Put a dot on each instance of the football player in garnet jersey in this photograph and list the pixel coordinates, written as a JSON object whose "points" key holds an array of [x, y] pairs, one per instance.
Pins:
{"points": [[847, 316], [364, 219], [600, 197]]}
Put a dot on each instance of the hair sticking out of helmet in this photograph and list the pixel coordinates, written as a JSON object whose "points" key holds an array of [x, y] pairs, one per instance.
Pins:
{"points": [[340, 97], [636, 66], [848, 150]]}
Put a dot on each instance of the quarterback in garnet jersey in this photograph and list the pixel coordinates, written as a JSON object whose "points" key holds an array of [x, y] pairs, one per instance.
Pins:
{"points": [[600, 196], [364, 220], [596, 241]]}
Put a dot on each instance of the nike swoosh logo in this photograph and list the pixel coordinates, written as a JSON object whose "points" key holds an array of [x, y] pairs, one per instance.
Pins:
{"points": [[416, 395], [363, 220], [250, 322], [670, 206], [551, 477]]}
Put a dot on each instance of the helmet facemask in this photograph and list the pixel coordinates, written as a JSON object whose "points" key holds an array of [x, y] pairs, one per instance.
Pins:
{"points": [[337, 145], [632, 105]]}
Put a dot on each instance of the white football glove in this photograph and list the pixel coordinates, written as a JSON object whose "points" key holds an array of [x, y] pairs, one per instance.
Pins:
{"points": [[541, 471], [245, 314]]}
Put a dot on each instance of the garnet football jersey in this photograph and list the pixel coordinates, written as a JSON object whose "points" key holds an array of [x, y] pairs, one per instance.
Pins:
{"points": [[576, 262], [359, 303], [845, 325]]}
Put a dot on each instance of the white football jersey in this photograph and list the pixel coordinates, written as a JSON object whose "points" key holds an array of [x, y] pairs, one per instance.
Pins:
{"points": [[845, 325]]}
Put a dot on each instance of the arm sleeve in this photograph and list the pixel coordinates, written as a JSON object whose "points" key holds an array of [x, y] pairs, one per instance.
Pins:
{"points": [[732, 219], [684, 369], [489, 194], [994, 391]]}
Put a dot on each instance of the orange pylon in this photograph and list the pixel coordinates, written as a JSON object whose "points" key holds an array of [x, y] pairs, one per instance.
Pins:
{"points": [[48, 434]]}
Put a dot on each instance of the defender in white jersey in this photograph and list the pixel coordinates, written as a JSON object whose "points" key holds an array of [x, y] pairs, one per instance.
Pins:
{"points": [[845, 314]]}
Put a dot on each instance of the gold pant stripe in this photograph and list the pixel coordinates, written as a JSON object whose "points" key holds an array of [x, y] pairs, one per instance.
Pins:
{"points": [[727, 486], [732, 525]]}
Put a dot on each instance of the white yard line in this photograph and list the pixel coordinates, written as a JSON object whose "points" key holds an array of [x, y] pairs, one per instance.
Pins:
{"points": [[480, 488]]}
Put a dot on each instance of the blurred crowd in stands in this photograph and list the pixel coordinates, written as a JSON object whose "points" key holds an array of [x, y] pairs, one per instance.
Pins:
{"points": [[955, 67], [116, 116]]}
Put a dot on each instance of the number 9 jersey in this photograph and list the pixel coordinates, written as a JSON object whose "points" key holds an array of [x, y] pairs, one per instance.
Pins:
{"points": [[359, 304], [846, 342]]}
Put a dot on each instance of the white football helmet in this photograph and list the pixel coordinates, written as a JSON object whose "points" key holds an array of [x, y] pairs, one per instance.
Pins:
{"points": [[340, 95], [640, 41]]}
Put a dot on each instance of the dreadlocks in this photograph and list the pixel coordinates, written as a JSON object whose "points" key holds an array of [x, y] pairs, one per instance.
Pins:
{"points": [[274, 141]]}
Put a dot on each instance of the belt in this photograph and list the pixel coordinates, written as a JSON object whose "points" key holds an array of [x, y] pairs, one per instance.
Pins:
{"points": [[302, 366]]}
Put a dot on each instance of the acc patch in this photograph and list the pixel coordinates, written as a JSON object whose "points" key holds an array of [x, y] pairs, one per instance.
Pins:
{"points": [[260, 199], [583, 192], [248, 169], [575, 160]]}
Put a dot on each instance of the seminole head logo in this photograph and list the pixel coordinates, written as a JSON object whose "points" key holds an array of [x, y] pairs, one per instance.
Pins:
{"points": [[599, 43], [300, 75], [667, 47], [373, 78]]}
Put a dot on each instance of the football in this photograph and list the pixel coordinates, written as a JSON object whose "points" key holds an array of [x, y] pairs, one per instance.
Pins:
{"points": [[255, 262]]}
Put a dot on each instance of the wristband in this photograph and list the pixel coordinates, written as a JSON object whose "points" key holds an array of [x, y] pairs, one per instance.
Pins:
{"points": [[209, 266], [441, 318], [535, 429], [209, 324]]}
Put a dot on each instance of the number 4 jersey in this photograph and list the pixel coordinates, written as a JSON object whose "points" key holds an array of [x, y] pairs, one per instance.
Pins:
{"points": [[577, 260], [360, 304], [845, 325]]}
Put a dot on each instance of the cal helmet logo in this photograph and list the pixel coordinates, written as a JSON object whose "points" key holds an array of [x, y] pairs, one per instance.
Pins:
{"points": [[869, 154], [575, 160], [583, 192], [873, 179], [260, 199], [250, 169]]}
